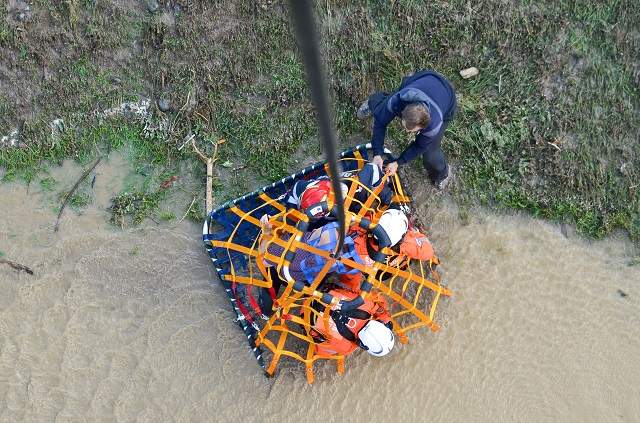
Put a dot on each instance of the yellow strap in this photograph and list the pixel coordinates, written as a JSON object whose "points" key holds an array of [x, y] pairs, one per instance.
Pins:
{"points": [[400, 199], [236, 247], [374, 195], [245, 216], [350, 194], [419, 314], [309, 363], [248, 281], [272, 202], [277, 352]]}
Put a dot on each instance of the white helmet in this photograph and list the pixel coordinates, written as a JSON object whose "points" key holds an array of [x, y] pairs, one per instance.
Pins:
{"points": [[377, 338], [395, 224]]}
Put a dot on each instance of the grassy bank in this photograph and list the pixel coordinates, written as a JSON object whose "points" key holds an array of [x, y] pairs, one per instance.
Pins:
{"points": [[550, 125]]}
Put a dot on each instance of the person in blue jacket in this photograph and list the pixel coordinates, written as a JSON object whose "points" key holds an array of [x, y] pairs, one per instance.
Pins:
{"points": [[426, 103]]}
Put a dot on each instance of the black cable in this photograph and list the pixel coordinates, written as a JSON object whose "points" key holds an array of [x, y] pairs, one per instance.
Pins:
{"points": [[307, 35]]}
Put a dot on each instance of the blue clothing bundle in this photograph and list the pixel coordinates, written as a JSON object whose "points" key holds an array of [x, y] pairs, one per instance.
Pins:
{"points": [[306, 265]]}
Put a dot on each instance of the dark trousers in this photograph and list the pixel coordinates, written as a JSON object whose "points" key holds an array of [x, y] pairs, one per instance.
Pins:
{"points": [[433, 158], [376, 100]]}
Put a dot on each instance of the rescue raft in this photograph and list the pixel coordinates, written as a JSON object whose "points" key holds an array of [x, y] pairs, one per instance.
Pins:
{"points": [[232, 233]]}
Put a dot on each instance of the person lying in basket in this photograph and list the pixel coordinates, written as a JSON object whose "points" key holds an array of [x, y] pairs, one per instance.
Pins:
{"points": [[368, 326], [306, 265]]}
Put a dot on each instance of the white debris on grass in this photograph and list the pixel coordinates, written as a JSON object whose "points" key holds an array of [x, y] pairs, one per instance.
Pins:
{"points": [[139, 110], [57, 128], [10, 140]]}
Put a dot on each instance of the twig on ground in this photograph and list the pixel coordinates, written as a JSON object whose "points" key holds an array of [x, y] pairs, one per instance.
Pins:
{"points": [[202, 116], [17, 266], [188, 210], [72, 191], [186, 141]]}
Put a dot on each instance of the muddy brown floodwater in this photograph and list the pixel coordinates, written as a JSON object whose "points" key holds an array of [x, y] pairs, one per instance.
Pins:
{"points": [[125, 325]]}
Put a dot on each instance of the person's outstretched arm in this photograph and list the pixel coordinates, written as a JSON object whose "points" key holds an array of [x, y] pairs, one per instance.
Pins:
{"points": [[377, 139]]}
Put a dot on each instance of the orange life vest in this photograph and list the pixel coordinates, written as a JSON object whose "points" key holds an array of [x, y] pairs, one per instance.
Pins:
{"points": [[416, 245], [332, 339]]}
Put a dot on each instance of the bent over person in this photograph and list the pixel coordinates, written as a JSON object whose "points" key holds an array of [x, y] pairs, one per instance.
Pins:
{"points": [[426, 103]]}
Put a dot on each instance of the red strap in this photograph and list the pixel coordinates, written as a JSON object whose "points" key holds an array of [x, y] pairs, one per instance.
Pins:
{"points": [[241, 306], [272, 292], [253, 302]]}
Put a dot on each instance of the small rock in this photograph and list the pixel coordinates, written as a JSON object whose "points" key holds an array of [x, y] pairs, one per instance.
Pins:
{"points": [[469, 72], [152, 6], [57, 128], [622, 293], [164, 104], [46, 74], [24, 16], [624, 170], [177, 10]]}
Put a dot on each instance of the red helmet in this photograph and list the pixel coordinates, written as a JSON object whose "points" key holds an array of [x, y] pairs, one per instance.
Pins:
{"points": [[314, 194], [317, 193]]}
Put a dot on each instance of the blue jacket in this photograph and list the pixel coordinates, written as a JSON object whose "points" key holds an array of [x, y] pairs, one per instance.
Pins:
{"points": [[426, 87]]}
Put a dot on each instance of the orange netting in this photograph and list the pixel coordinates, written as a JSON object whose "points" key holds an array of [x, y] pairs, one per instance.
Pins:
{"points": [[412, 287]]}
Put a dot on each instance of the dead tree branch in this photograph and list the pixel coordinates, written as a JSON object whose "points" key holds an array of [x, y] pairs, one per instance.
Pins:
{"points": [[17, 266], [72, 191]]}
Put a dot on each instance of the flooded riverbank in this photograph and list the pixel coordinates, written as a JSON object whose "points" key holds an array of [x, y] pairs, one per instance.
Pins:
{"points": [[125, 325]]}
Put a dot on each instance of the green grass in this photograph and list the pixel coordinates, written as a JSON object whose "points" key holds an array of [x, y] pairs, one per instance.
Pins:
{"points": [[132, 207], [167, 215], [48, 184], [79, 200], [548, 126]]}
